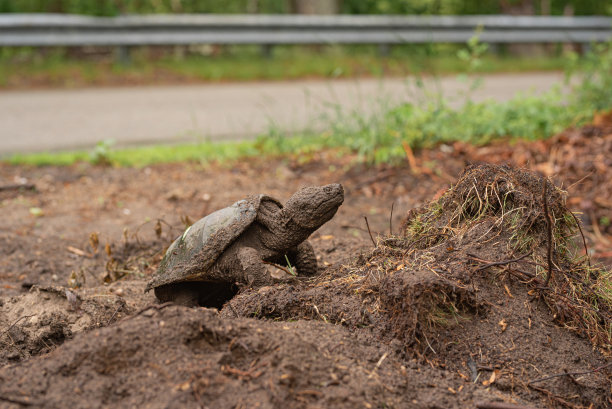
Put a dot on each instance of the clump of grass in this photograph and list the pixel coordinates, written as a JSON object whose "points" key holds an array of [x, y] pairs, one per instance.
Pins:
{"points": [[505, 207]]}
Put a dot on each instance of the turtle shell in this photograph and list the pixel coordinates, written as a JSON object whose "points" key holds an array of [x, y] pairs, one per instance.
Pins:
{"points": [[204, 241]]}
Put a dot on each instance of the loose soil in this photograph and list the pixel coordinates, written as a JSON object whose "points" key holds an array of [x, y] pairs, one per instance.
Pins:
{"points": [[417, 320]]}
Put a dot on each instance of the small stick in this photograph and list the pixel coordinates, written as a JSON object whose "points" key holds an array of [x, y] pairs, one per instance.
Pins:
{"points": [[286, 270], [380, 361], [369, 231], [501, 405], [570, 374], [78, 252], [17, 401], [349, 226], [157, 307], [26, 186], [115, 313], [555, 397], [500, 263], [586, 249], [549, 227], [391, 220], [15, 323], [410, 157], [235, 313]]}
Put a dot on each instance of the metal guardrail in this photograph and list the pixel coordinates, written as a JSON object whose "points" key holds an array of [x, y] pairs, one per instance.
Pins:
{"points": [[75, 30]]}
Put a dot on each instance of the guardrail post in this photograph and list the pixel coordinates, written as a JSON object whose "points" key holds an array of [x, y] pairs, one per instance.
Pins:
{"points": [[586, 47], [267, 50], [123, 54], [384, 50]]}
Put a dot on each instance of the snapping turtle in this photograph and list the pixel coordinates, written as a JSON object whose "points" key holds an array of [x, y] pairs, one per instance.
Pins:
{"points": [[232, 245]]}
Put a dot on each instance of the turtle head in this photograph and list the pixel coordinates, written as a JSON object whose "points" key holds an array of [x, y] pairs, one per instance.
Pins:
{"points": [[311, 207]]}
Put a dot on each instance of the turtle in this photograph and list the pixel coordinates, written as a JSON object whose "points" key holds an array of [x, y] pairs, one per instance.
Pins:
{"points": [[229, 248]]}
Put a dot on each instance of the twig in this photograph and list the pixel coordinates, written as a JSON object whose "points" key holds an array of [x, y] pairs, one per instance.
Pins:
{"points": [[369, 231], [17, 401], [233, 310], [15, 323], [501, 405], [554, 397], [426, 236], [532, 278], [279, 267], [391, 220], [25, 186], [349, 226], [380, 361], [411, 159], [570, 374], [579, 181], [586, 249], [497, 263], [78, 252], [114, 313], [319, 314], [157, 307], [549, 226]]}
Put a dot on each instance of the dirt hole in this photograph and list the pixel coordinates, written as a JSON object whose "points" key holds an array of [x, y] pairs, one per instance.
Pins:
{"points": [[204, 293]]}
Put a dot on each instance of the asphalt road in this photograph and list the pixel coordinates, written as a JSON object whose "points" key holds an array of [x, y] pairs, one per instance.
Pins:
{"points": [[51, 120]]}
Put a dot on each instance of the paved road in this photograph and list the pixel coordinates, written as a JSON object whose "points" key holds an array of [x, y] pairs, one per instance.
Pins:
{"points": [[44, 120]]}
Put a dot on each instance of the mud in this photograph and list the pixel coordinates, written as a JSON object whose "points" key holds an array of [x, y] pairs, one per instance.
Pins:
{"points": [[450, 310]]}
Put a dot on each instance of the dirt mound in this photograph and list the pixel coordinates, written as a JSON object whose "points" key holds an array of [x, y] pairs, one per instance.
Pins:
{"points": [[42, 319], [466, 288], [176, 357]]}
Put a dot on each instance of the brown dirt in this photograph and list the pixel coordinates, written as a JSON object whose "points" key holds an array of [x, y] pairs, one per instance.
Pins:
{"points": [[406, 324]]}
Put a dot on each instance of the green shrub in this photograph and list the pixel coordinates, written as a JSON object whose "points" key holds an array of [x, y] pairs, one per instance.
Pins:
{"points": [[379, 137]]}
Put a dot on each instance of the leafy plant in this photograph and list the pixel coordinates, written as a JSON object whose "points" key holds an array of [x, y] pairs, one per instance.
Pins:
{"points": [[101, 153], [593, 72]]}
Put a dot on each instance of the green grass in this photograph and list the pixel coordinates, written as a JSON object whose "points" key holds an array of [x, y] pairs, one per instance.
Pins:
{"points": [[27, 67], [143, 156], [382, 137], [375, 139]]}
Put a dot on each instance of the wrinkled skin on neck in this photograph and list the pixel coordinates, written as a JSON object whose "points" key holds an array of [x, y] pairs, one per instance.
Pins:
{"points": [[306, 211]]}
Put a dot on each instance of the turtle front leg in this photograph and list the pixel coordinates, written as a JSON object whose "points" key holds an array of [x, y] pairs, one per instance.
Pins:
{"points": [[252, 270], [304, 259]]}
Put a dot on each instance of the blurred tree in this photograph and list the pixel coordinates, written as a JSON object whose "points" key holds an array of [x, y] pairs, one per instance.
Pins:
{"points": [[114, 7]]}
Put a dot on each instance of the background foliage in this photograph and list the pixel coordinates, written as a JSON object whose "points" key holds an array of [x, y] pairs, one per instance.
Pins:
{"points": [[115, 7]]}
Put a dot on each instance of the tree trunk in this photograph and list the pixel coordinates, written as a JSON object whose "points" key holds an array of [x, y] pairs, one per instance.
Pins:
{"points": [[315, 6], [522, 8]]}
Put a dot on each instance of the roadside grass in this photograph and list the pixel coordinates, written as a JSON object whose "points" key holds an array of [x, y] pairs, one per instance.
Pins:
{"points": [[384, 136], [58, 68], [142, 156]]}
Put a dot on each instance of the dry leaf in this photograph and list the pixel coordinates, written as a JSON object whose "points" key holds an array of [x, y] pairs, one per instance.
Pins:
{"points": [[158, 229], [94, 241], [492, 378]]}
